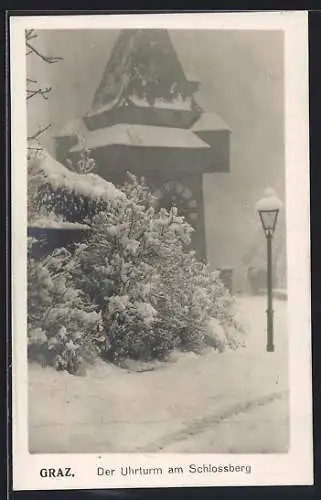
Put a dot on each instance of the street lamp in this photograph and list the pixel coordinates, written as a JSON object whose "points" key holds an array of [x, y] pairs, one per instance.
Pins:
{"points": [[268, 208]]}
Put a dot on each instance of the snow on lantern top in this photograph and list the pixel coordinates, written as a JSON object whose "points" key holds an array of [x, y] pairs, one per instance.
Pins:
{"points": [[269, 201]]}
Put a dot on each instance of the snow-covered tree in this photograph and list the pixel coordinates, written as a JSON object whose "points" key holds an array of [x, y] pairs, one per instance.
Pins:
{"points": [[152, 293]]}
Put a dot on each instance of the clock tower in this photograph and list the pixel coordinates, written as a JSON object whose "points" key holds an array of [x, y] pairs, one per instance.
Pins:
{"points": [[145, 119]]}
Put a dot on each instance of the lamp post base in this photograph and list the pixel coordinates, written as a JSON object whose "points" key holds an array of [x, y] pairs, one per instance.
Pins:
{"points": [[270, 335]]}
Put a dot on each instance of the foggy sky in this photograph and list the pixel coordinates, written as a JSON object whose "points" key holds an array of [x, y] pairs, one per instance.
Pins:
{"points": [[242, 80]]}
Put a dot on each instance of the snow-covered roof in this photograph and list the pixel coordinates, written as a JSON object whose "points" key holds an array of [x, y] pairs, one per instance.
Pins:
{"points": [[48, 223], [140, 56], [191, 76], [73, 128], [58, 176], [176, 104], [209, 121], [106, 106], [143, 136]]}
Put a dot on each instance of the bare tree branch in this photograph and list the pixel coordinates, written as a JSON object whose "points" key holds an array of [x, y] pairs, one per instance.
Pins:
{"points": [[30, 34], [29, 80], [42, 92], [41, 131], [34, 148], [47, 59]]}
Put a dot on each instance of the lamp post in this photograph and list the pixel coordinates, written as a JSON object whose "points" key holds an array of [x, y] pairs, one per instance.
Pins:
{"points": [[268, 208]]}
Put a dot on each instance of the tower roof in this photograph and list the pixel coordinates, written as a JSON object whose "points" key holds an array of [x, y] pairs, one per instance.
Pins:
{"points": [[209, 121], [141, 136], [144, 70], [145, 101]]}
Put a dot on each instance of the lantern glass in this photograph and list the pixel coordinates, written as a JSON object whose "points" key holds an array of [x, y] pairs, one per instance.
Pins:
{"points": [[268, 219], [268, 208]]}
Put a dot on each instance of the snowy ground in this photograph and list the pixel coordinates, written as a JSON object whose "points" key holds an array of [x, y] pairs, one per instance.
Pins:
{"points": [[213, 403]]}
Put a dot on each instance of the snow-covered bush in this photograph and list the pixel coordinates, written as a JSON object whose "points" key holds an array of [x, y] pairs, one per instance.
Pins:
{"points": [[215, 335], [153, 294], [193, 297], [63, 331]]}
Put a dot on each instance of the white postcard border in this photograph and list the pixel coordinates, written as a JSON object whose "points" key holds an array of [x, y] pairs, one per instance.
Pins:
{"points": [[296, 467]]}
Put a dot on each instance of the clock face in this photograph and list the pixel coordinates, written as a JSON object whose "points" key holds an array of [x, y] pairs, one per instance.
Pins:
{"points": [[176, 194]]}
